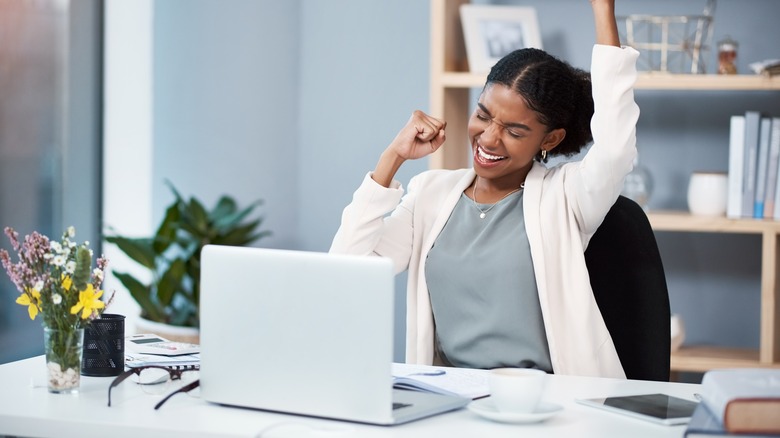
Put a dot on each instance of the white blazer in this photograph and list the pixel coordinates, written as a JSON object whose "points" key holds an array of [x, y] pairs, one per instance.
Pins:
{"points": [[564, 205]]}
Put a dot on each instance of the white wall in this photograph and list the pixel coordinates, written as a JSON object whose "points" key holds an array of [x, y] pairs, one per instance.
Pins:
{"points": [[127, 137], [364, 68]]}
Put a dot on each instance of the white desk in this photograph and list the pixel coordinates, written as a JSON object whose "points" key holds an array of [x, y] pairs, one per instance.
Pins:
{"points": [[31, 411]]}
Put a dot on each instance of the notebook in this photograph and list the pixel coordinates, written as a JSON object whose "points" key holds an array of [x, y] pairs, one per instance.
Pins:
{"points": [[304, 333]]}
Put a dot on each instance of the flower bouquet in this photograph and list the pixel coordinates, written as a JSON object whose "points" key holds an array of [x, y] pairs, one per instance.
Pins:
{"points": [[56, 280]]}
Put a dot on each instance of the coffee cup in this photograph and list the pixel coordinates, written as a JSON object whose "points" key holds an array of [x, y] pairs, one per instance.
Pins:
{"points": [[516, 390]]}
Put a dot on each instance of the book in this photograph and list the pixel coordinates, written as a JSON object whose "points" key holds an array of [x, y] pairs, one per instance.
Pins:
{"points": [[772, 168], [463, 382], [736, 166], [704, 424], [750, 165], [774, 142], [761, 167], [745, 400]]}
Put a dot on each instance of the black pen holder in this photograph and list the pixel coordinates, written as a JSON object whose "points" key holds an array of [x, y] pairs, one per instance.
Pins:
{"points": [[104, 346]]}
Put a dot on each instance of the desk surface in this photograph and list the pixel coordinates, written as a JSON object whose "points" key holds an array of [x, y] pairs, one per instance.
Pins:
{"points": [[27, 409]]}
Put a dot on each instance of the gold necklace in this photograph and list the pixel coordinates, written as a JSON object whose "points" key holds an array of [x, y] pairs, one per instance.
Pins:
{"points": [[483, 213]]}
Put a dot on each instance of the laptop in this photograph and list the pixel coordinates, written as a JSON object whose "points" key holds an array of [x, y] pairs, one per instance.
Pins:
{"points": [[304, 333]]}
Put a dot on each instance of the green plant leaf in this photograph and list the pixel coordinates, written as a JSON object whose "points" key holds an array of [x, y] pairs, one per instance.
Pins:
{"points": [[187, 316], [83, 268], [179, 198], [170, 282], [173, 254], [139, 249], [198, 217], [225, 206], [142, 295], [242, 235], [166, 232], [233, 219]]}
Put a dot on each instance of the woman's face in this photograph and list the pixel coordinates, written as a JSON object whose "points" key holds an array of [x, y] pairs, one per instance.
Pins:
{"points": [[506, 135]]}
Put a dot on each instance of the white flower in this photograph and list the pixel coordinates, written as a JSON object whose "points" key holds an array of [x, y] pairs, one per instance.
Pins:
{"points": [[70, 267], [55, 246], [58, 260], [38, 285], [71, 231], [98, 273], [56, 298]]}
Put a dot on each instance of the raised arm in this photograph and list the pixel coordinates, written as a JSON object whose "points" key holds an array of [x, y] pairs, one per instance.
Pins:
{"points": [[606, 26], [421, 136]]}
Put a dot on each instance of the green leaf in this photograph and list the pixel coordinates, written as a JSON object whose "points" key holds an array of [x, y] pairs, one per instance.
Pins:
{"points": [[242, 235], [225, 206], [139, 249], [234, 219], [186, 317], [142, 295], [198, 217], [185, 229], [166, 232], [170, 282], [179, 198], [83, 268]]}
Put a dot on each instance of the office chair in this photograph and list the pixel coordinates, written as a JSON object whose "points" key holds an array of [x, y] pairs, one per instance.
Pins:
{"points": [[628, 282]]}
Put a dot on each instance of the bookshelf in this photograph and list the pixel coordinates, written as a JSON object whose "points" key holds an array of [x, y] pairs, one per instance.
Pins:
{"points": [[700, 359], [451, 84]]}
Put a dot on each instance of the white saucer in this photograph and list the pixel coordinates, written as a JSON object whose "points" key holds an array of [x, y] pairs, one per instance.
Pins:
{"points": [[485, 408]]}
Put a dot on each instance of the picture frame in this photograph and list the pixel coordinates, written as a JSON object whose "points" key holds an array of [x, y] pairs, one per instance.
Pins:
{"points": [[491, 31]]}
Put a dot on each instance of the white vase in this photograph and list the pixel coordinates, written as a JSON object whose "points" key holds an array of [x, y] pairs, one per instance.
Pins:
{"points": [[708, 193], [167, 331]]}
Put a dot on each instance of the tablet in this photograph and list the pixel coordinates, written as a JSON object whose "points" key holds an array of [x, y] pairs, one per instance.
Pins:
{"points": [[658, 408]]}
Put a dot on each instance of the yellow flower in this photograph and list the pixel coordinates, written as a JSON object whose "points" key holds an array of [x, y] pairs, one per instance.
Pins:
{"points": [[32, 299], [66, 282], [89, 301]]}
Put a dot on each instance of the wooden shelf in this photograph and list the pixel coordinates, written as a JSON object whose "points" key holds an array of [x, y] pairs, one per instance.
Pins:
{"points": [[702, 359], [649, 81], [663, 81], [684, 221]]}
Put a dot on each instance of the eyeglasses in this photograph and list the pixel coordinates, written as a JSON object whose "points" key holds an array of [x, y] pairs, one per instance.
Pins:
{"points": [[155, 379]]}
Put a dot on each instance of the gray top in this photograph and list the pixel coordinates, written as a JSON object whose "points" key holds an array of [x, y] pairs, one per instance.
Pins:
{"points": [[483, 290]]}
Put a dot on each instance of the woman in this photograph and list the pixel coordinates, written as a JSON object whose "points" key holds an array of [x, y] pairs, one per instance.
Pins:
{"points": [[497, 274]]}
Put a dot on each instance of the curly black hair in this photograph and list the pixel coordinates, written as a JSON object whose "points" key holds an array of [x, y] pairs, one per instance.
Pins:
{"points": [[561, 95]]}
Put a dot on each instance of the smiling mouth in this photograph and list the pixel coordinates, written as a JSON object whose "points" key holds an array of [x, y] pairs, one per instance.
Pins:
{"points": [[486, 156]]}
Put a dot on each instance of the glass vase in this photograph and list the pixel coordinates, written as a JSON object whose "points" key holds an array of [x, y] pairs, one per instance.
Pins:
{"points": [[638, 185], [63, 349]]}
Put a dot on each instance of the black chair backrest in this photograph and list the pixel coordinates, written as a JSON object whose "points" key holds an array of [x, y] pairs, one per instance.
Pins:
{"points": [[629, 284]]}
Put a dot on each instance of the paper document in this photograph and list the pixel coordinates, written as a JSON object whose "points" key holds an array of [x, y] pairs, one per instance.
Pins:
{"points": [[134, 360], [464, 382]]}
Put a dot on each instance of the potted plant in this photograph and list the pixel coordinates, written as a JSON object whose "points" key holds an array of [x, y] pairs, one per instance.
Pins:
{"points": [[172, 256]]}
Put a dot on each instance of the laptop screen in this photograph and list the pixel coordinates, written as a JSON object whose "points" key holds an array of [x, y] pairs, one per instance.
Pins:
{"points": [[294, 331]]}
